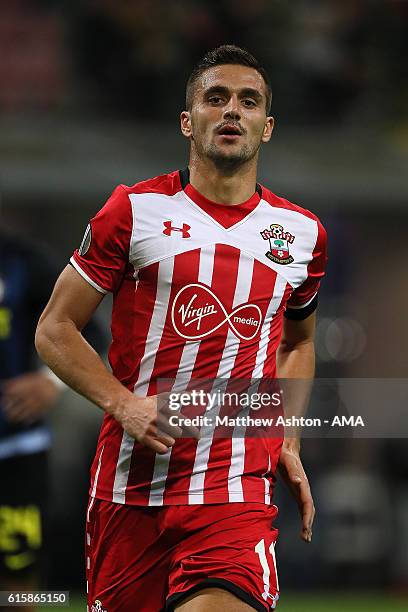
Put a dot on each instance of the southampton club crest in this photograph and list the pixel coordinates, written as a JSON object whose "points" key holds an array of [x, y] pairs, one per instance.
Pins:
{"points": [[279, 242]]}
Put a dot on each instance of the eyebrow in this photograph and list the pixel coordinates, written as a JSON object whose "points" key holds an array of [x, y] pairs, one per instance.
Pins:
{"points": [[246, 92]]}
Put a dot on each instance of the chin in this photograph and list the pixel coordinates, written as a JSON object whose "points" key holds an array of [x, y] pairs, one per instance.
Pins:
{"points": [[223, 159]]}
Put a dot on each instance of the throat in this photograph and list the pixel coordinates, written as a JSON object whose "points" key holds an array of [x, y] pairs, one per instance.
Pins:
{"points": [[227, 188]]}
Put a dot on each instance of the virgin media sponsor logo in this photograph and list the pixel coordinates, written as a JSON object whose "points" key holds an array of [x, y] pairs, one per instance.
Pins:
{"points": [[197, 313]]}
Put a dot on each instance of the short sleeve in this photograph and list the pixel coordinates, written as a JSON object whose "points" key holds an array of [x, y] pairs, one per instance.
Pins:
{"points": [[303, 300], [103, 256]]}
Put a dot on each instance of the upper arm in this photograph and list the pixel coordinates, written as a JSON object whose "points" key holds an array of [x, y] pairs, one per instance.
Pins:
{"points": [[103, 257], [300, 314], [98, 266], [297, 332], [303, 301], [73, 300]]}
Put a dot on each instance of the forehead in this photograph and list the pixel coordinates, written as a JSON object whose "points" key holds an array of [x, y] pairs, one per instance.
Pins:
{"points": [[233, 77]]}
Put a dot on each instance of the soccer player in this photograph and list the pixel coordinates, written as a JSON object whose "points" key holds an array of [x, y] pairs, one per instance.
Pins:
{"points": [[27, 393], [213, 277]]}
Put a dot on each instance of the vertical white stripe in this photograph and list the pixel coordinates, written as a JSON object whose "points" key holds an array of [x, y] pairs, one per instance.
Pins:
{"points": [[272, 551], [164, 283], [260, 550], [268, 484], [183, 377], [93, 492], [278, 293], [196, 490], [238, 453]]}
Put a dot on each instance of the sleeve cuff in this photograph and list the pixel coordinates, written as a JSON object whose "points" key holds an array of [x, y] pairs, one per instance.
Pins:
{"points": [[298, 313], [86, 277]]}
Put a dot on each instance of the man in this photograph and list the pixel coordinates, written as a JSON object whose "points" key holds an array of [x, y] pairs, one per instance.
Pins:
{"points": [[185, 524], [28, 391]]}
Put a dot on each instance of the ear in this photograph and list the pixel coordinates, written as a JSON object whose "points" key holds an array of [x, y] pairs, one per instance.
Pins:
{"points": [[268, 129], [185, 124]]}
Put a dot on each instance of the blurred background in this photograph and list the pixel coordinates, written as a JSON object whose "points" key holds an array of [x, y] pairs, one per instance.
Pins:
{"points": [[90, 94]]}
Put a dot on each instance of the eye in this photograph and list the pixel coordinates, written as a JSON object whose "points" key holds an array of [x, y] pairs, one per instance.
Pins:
{"points": [[249, 102], [215, 100]]}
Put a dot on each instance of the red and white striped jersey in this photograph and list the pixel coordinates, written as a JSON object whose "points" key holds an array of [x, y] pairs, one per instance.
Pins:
{"points": [[199, 292]]}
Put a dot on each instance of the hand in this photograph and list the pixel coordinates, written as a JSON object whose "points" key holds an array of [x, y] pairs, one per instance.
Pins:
{"points": [[26, 398], [147, 421], [291, 469]]}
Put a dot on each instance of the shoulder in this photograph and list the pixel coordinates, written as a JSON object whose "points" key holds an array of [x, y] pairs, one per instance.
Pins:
{"points": [[278, 202], [118, 210], [165, 184]]}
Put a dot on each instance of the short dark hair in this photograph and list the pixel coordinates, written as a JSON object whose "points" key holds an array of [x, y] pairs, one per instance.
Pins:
{"points": [[227, 54]]}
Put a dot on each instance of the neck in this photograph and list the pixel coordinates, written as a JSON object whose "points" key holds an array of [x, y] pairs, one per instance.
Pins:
{"points": [[225, 187]]}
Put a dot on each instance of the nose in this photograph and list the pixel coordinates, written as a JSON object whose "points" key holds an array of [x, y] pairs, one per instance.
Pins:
{"points": [[232, 109]]}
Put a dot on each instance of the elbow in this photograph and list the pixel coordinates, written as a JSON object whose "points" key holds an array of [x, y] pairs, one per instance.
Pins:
{"points": [[304, 346], [40, 340], [43, 339]]}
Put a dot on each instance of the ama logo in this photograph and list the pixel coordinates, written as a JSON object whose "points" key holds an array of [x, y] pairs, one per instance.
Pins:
{"points": [[197, 313]]}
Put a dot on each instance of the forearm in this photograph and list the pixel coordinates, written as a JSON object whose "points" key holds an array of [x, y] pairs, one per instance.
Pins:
{"points": [[295, 369], [63, 348]]}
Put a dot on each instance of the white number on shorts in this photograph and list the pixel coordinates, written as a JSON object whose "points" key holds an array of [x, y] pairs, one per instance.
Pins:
{"points": [[260, 551]]}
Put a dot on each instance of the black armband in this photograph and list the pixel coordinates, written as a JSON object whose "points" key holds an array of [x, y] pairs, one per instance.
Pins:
{"points": [[298, 314]]}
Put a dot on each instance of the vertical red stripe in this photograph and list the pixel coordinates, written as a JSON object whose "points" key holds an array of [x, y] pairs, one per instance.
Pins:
{"points": [[136, 308], [275, 335], [262, 286], [226, 262], [185, 271], [258, 451], [132, 312], [133, 304]]}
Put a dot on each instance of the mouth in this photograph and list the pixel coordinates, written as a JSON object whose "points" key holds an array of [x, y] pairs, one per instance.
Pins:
{"points": [[229, 132]]}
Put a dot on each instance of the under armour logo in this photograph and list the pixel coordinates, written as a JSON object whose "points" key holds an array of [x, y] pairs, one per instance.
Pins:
{"points": [[168, 228]]}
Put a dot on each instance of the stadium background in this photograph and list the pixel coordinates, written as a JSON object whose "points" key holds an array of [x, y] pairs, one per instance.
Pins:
{"points": [[90, 93]]}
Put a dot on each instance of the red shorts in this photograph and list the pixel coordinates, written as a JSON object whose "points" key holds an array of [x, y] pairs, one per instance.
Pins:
{"points": [[148, 559]]}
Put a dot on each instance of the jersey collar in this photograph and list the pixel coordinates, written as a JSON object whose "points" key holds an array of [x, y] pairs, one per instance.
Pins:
{"points": [[225, 214]]}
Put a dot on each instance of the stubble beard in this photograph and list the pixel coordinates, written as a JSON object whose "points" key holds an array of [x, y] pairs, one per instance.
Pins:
{"points": [[226, 162]]}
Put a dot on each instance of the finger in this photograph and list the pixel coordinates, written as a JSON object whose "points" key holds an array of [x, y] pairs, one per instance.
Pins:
{"points": [[167, 440], [164, 426], [16, 413], [155, 445], [182, 430], [189, 431], [302, 494], [307, 520], [153, 433]]}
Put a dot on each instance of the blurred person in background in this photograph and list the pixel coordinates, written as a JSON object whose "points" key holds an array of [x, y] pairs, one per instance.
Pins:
{"points": [[28, 390], [180, 523], [27, 393]]}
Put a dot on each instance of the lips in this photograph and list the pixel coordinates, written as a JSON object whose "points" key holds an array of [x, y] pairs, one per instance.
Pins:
{"points": [[229, 130]]}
